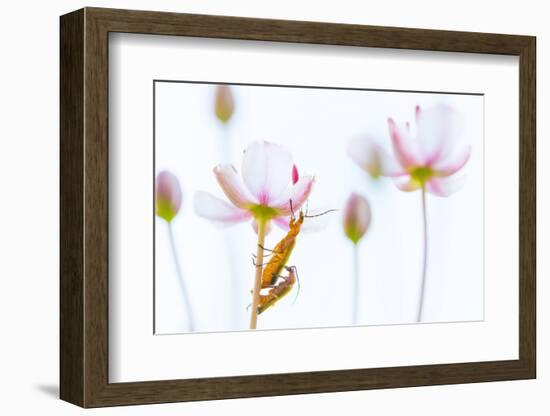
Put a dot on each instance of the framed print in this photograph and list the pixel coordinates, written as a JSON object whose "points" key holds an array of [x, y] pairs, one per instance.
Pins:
{"points": [[256, 207]]}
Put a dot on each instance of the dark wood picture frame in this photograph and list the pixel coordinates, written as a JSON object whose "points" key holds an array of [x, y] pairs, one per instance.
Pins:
{"points": [[84, 207]]}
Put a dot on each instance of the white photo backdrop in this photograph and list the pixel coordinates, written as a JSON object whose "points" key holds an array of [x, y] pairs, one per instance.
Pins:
{"points": [[316, 126]]}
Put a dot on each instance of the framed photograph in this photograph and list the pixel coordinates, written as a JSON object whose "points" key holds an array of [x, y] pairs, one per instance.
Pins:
{"points": [[257, 207]]}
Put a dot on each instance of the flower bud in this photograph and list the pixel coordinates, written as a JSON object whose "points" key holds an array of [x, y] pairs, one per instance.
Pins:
{"points": [[224, 103], [168, 195], [357, 216], [295, 174]]}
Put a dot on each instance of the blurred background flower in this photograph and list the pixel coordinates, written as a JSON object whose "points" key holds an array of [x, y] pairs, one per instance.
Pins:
{"points": [[167, 196], [357, 217], [427, 156], [224, 103], [372, 157], [431, 157], [168, 203]]}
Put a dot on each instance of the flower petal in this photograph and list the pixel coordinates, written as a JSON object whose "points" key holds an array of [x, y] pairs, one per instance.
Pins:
{"points": [[208, 206], [372, 158], [266, 170], [445, 186], [232, 186], [298, 194], [453, 164], [437, 129], [406, 184], [405, 148], [282, 222]]}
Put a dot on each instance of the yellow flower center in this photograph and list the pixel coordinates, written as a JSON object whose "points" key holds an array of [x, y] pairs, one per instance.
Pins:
{"points": [[263, 212], [422, 174]]}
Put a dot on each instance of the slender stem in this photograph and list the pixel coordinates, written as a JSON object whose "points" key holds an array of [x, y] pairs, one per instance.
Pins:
{"points": [[225, 145], [234, 282], [258, 275], [425, 257], [186, 300], [355, 284]]}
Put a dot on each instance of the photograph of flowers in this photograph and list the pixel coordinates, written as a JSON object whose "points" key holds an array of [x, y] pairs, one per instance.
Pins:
{"points": [[292, 207]]}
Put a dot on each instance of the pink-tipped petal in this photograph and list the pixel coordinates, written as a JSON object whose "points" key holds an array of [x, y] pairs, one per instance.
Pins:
{"points": [[372, 158], [266, 170], [295, 174], [437, 129], [232, 186], [405, 149], [406, 184], [453, 164], [298, 194], [282, 222], [208, 206], [445, 186]]}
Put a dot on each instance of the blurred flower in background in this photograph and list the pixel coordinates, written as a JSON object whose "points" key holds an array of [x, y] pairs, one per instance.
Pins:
{"points": [[168, 196], [429, 159], [224, 104], [357, 218], [168, 203], [372, 157], [426, 159]]}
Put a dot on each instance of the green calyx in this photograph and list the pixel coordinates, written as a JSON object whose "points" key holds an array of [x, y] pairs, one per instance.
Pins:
{"points": [[263, 212], [422, 174], [165, 210], [354, 234]]}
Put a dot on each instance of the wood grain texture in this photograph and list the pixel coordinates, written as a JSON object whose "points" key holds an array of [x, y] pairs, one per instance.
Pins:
{"points": [[84, 207], [71, 208]]}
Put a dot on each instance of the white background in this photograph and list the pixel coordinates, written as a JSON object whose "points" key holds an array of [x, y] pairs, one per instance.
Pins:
{"points": [[29, 167], [316, 125]]}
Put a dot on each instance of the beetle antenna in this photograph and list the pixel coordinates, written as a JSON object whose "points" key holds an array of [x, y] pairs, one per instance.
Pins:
{"points": [[322, 213], [291, 209], [295, 269]]}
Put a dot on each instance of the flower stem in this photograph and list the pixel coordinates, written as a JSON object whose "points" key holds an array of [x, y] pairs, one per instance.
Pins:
{"points": [[355, 284], [425, 257], [258, 275], [186, 300], [225, 157]]}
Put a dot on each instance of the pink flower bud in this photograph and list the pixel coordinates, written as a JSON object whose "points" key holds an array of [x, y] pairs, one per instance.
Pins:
{"points": [[168, 195], [295, 174], [224, 103], [357, 216]]}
